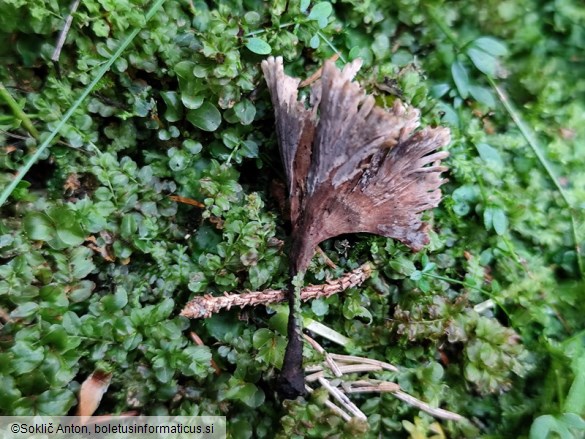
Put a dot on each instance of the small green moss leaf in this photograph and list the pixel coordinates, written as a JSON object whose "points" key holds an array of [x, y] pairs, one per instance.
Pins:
{"points": [[491, 45], [101, 28], [129, 226], [245, 111], [198, 359], [488, 216], [543, 426], [315, 41], [27, 356], [490, 155], [223, 327], [81, 291], [249, 149], [460, 78], [55, 402], [24, 310], [320, 13], [500, 221], [319, 307], [39, 227], [69, 230], [9, 391], [114, 302], [252, 18], [270, 347], [403, 266], [192, 146], [191, 102], [484, 62], [174, 110], [258, 46], [440, 90], [483, 95], [81, 262], [207, 117], [248, 393]]}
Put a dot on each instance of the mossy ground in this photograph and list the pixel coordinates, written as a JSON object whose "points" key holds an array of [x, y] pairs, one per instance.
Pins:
{"points": [[97, 259]]}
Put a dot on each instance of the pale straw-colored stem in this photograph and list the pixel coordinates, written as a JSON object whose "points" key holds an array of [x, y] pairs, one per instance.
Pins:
{"points": [[328, 359], [345, 370], [362, 360], [365, 386], [342, 399], [333, 407]]}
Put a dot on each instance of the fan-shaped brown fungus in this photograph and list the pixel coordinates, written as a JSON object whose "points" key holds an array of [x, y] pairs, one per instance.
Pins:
{"points": [[350, 167]]}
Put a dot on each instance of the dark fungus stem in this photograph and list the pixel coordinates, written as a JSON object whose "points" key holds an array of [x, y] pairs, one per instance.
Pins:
{"points": [[291, 382]]}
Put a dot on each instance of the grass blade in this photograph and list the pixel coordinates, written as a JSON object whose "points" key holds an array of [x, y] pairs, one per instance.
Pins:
{"points": [[32, 160], [536, 148]]}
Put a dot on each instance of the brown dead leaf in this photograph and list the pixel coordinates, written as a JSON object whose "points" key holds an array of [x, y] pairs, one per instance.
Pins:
{"points": [[567, 133], [91, 392], [488, 126], [217, 222], [185, 200], [102, 251], [72, 183], [91, 238]]}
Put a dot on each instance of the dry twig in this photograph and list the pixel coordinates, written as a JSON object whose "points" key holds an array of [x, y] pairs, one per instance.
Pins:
{"points": [[352, 359], [436, 412], [326, 259], [330, 362], [205, 306], [332, 406], [343, 399], [317, 75], [354, 368], [352, 364], [64, 31]]}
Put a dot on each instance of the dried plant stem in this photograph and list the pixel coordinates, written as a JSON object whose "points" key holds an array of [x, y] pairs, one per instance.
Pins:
{"points": [[331, 46], [354, 368], [326, 259], [359, 364], [342, 399], [205, 306], [361, 360], [317, 75], [328, 359], [366, 386], [436, 412], [64, 31], [333, 407]]}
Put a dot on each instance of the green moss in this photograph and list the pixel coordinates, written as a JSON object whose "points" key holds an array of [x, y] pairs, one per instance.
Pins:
{"points": [[97, 259]]}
